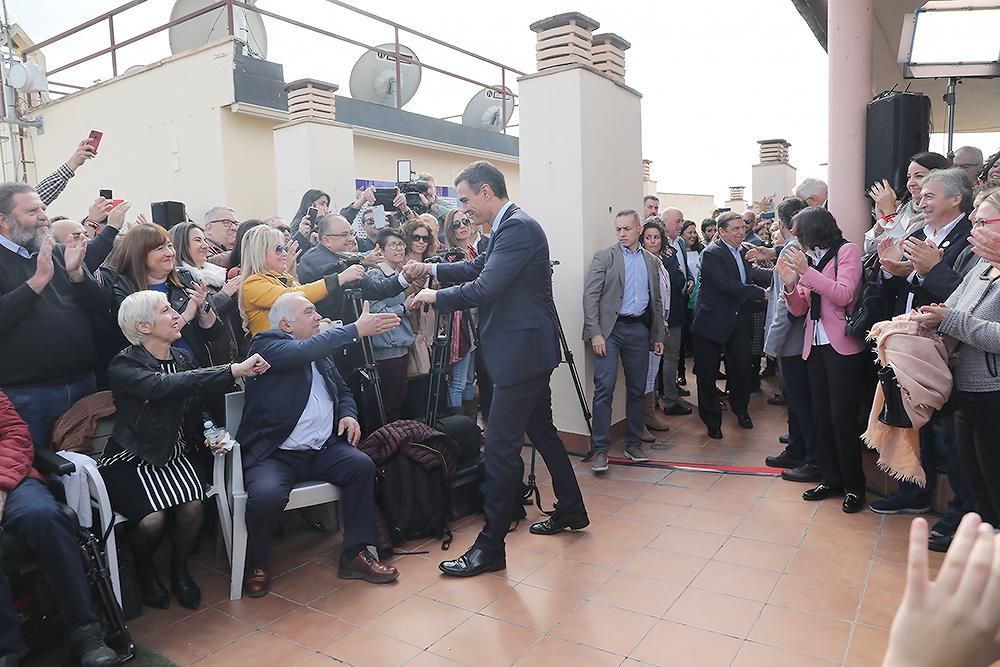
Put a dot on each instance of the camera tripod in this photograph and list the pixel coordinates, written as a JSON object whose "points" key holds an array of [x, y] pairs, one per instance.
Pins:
{"points": [[440, 357], [531, 488], [371, 386]]}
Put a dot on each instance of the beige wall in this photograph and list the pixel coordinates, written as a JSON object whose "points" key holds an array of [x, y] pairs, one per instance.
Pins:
{"points": [[775, 180], [695, 207], [249, 172]]}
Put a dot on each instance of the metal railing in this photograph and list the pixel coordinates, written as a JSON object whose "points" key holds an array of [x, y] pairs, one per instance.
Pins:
{"points": [[229, 5]]}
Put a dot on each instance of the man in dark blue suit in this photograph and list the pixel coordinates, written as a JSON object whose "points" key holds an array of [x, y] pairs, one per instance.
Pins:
{"points": [[300, 423], [511, 284], [723, 321]]}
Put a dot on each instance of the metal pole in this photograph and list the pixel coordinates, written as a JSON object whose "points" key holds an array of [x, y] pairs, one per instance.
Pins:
{"points": [[230, 20], [503, 98], [949, 100], [114, 55], [399, 90]]}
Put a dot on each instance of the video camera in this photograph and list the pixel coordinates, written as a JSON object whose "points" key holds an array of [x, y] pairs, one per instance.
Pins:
{"points": [[412, 190], [346, 260], [449, 255]]}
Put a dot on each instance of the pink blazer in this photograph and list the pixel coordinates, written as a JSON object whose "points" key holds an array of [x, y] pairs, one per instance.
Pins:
{"points": [[838, 286]]}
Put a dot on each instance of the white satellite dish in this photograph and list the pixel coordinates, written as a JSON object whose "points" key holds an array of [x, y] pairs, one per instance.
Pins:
{"points": [[485, 109], [210, 26], [373, 78], [134, 68], [27, 77]]}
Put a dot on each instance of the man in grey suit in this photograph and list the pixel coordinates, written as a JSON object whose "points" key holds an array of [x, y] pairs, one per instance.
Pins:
{"points": [[784, 341], [622, 317]]}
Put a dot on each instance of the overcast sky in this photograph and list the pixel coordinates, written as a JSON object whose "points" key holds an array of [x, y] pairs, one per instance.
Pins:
{"points": [[715, 77]]}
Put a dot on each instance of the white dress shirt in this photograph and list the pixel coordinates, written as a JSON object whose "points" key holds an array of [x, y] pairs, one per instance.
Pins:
{"points": [[819, 333], [315, 425]]}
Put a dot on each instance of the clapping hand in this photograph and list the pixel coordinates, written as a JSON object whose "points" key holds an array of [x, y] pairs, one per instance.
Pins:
{"points": [[884, 197], [891, 249], [198, 294], [787, 273], [923, 255], [44, 268], [116, 215], [985, 242], [797, 260], [75, 251], [954, 619]]}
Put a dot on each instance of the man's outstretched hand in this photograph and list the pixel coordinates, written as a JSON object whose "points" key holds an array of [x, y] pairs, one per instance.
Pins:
{"points": [[373, 324], [424, 297]]}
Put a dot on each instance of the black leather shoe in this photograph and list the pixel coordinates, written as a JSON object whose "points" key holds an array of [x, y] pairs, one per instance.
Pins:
{"points": [[939, 542], [715, 433], [557, 524], [777, 399], [152, 591], [821, 492], [682, 380], [744, 420], [187, 592], [807, 472], [782, 460], [472, 562], [853, 502], [676, 409], [783, 439]]}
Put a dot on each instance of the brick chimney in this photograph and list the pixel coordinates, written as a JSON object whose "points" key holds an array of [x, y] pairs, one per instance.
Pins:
{"points": [[309, 98], [645, 169], [774, 151], [608, 54], [564, 39], [736, 192]]}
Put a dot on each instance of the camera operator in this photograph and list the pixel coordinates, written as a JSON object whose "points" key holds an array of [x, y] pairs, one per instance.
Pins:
{"points": [[429, 199]]}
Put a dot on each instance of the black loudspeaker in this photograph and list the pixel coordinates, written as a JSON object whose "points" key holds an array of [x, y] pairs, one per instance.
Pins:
{"points": [[897, 127], [168, 213]]}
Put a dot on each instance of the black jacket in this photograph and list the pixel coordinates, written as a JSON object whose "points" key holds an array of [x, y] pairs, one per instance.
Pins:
{"points": [[678, 291], [940, 281], [722, 295], [268, 422], [151, 406], [120, 286], [319, 262]]}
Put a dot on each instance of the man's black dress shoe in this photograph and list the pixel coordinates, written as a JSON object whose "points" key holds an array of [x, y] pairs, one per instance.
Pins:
{"points": [[853, 502], [783, 439], [681, 391], [744, 420], [939, 542], [807, 472], [715, 433], [472, 562], [821, 492], [777, 399], [557, 524], [677, 409], [782, 460]]}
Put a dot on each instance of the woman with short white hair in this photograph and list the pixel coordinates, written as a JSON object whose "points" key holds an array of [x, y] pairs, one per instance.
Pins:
{"points": [[147, 464]]}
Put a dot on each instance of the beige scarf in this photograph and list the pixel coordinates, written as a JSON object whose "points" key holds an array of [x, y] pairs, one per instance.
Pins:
{"points": [[919, 359]]}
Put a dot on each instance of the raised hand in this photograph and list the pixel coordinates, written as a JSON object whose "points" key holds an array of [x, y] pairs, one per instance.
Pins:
{"points": [[233, 285], [73, 254], [44, 268], [373, 324], [884, 197], [116, 216], [198, 294], [797, 259], [84, 151], [787, 273], [986, 243], [924, 255], [890, 248], [99, 210]]}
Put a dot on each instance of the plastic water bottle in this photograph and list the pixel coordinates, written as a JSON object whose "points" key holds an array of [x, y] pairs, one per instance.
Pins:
{"points": [[213, 434]]}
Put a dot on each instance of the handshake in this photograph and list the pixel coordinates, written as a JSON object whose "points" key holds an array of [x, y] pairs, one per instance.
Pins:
{"points": [[416, 271]]}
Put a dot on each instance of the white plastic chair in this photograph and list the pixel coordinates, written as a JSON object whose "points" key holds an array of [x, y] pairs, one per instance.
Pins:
{"points": [[304, 494]]}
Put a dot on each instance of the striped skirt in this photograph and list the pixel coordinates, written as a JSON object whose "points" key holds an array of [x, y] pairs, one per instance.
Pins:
{"points": [[138, 488]]}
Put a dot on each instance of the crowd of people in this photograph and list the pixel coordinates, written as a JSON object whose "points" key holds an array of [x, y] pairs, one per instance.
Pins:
{"points": [[762, 290], [326, 309]]}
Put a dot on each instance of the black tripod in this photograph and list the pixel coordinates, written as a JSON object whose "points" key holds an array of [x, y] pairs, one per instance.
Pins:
{"points": [[531, 488], [368, 373], [440, 356]]}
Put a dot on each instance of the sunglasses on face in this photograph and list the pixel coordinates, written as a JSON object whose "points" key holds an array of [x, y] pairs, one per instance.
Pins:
{"points": [[421, 239], [458, 224], [280, 249]]}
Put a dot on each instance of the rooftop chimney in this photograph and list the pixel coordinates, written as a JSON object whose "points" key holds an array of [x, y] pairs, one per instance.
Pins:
{"points": [[608, 54], [564, 39], [774, 151], [736, 192], [645, 169], [309, 98]]}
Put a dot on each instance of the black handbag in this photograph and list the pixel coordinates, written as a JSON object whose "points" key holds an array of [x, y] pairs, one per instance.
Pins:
{"points": [[871, 307], [893, 411]]}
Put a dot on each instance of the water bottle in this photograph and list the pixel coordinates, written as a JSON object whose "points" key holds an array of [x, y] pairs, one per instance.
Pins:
{"points": [[213, 434]]}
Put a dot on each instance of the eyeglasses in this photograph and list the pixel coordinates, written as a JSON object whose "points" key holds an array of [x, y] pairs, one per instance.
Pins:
{"points": [[229, 224], [458, 224], [420, 239], [342, 235], [280, 249], [983, 223], [970, 165], [395, 246]]}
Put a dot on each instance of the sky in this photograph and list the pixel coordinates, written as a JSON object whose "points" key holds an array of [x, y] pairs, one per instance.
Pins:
{"points": [[715, 77]]}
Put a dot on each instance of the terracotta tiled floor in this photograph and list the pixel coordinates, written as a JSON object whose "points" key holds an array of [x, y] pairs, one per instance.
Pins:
{"points": [[677, 568]]}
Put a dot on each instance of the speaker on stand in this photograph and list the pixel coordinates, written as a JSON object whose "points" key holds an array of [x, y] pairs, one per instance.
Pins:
{"points": [[897, 127]]}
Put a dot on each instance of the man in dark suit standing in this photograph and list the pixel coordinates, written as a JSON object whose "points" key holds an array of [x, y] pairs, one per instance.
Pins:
{"points": [[681, 283], [511, 284], [723, 321]]}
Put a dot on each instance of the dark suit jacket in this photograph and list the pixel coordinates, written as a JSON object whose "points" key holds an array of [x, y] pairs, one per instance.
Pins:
{"points": [[318, 261], [678, 290], [721, 294], [511, 284], [275, 400], [940, 281]]}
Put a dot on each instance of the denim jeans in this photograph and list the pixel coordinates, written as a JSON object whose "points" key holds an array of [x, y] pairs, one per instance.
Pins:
{"points": [[463, 372], [630, 343], [41, 405], [33, 514]]}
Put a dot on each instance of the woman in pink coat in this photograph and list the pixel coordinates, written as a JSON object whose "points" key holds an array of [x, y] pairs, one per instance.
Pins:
{"points": [[822, 282]]}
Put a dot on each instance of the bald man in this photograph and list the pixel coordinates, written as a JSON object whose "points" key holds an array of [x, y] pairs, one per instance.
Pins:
{"points": [[66, 229]]}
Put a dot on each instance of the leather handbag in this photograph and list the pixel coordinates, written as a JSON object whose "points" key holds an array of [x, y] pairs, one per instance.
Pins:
{"points": [[871, 306], [893, 411]]}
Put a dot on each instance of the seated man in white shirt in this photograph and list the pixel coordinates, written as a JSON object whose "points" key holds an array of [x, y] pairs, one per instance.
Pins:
{"points": [[299, 424]]}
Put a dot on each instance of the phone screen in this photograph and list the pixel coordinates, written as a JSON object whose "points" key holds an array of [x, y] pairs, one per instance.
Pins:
{"points": [[313, 215], [379, 219]]}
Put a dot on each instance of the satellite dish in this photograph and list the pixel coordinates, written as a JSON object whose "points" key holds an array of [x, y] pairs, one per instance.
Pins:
{"points": [[27, 77], [484, 110], [210, 26], [134, 68], [373, 78]]}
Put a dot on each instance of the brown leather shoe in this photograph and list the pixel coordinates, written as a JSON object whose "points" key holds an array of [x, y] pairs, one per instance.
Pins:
{"points": [[257, 583], [365, 567]]}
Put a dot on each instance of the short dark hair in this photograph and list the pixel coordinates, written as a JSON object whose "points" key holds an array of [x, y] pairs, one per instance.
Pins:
{"points": [[386, 233], [657, 225], [648, 197], [8, 191], [787, 209], [482, 172], [629, 213], [706, 223], [722, 222], [816, 227]]}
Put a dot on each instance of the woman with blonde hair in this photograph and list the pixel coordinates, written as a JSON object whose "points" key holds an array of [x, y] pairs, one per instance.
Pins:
{"points": [[266, 262]]}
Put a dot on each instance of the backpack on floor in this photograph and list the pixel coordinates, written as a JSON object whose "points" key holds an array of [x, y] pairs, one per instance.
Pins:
{"points": [[413, 500]]}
